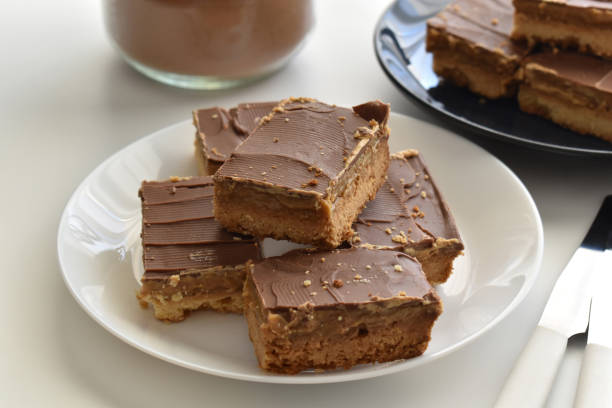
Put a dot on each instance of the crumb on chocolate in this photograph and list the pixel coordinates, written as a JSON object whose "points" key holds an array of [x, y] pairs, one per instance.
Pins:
{"points": [[322, 260], [214, 116], [400, 239], [275, 140], [312, 182], [495, 21], [338, 283], [397, 268], [307, 283], [368, 267], [424, 194], [217, 152], [388, 231]]}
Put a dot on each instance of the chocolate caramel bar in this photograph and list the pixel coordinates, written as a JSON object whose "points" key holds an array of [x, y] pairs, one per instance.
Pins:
{"points": [[190, 261], [305, 172], [409, 214], [571, 89], [312, 309], [471, 47]]}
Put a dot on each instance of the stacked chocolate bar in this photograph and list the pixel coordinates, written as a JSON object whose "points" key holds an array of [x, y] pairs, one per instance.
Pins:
{"points": [[555, 53], [313, 173]]}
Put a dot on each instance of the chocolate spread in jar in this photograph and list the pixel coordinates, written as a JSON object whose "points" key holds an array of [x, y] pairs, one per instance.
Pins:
{"points": [[228, 38]]}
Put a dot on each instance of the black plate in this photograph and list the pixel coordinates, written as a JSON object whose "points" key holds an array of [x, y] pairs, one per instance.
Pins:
{"points": [[399, 42]]}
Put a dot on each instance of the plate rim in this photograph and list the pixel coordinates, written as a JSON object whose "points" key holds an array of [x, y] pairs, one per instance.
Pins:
{"points": [[310, 379], [468, 125]]}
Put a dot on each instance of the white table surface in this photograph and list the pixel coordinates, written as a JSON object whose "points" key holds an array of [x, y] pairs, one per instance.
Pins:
{"points": [[68, 101]]}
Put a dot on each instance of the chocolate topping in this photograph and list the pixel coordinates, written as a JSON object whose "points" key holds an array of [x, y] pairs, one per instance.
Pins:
{"points": [[342, 276], [179, 232], [408, 210], [304, 140], [221, 131], [247, 116], [570, 66], [487, 23], [591, 4]]}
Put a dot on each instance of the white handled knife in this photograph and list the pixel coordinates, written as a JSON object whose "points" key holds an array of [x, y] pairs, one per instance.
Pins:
{"points": [[566, 313], [595, 384]]}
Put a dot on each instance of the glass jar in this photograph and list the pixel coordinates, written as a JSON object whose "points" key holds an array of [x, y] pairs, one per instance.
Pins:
{"points": [[207, 44]]}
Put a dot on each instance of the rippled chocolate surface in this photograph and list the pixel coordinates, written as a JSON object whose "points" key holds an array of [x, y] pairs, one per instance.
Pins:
{"points": [[409, 210], [179, 231], [221, 131], [341, 276], [486, 23], [304, 145]]}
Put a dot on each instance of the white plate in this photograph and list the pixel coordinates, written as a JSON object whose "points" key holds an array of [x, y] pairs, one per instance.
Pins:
{"points": [[98, 244]]}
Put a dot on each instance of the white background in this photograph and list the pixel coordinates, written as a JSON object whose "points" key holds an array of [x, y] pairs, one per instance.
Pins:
{"points": [[67, 102]]}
